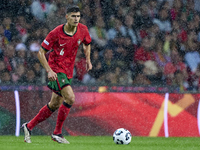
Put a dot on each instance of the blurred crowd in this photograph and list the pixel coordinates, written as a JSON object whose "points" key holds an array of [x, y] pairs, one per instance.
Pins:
{"points": [[134, 42]]}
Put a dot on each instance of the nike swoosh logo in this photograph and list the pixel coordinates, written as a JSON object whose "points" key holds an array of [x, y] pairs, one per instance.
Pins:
{"points": [[62, 44]]}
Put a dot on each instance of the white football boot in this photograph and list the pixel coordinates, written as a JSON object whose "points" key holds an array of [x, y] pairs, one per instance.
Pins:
{"points": [[59, 138], [27, 133]]}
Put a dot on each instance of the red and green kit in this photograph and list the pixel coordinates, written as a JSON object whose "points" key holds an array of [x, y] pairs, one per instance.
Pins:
{"points": [[64, 48]]}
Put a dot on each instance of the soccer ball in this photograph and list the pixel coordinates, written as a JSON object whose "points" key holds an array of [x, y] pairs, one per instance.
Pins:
{"points": [[122, 136]]}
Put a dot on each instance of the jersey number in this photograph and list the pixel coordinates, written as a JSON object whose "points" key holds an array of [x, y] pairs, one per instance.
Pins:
{"points": [[62, 52]]}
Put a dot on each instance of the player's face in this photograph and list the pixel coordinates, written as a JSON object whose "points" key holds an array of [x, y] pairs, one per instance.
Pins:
{"points": [[73, 18]]}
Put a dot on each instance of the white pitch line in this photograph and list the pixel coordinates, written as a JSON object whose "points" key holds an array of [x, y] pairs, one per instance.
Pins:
{"points": [[198, 116], [165, 115], [17, 104]]}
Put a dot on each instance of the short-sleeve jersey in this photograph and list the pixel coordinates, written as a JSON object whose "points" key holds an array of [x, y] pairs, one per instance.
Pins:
{"points": [[64, 48]]}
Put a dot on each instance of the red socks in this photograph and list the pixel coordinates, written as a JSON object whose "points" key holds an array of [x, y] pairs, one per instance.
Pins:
{"points": [[62, 115], [43, 114]]}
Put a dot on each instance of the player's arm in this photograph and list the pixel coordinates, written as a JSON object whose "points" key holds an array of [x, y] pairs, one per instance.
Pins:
{"points": [[41, 56], [87, 50]]}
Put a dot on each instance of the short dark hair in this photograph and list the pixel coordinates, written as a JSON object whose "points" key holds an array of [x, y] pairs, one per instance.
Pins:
{"points": [[72, 8]]}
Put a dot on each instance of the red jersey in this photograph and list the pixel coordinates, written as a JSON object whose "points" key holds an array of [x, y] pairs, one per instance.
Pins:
{"points": [[64, 48]]}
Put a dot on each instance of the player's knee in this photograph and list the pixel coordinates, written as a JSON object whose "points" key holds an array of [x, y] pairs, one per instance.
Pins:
{"points": [[54, 106], [70, 99]]}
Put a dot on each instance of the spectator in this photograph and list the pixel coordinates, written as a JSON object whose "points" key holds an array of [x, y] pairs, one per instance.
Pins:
{"points": [[18, 75], [56, 18], [116, 9], [121, 57], [178, 34], [54, 5], [152, 9], [189, 9], [2, 66], [153, 31], [182, 20], [34, 48], [160, 57], [109, 78], [123, 77], [180, 82], [97, 69], [87, 15], [192, 36], [25, 9], [5, 78], [9, 57], [116, 33], [196, 22], [21, 52], [116, 76], [130, 32], [192, 56], [30, 77], [174, 37], [43, 33], [8, 7], [3, 39], [22, 27], [144, 53], [196, 5], [96, 12], [37, 71], [177, 7], [140, 78], [163, 21], [176, 64], [193, 79], [94, 75], [166, 5], [10, 29], [98, 33], [108, 61], [167, 45], [130, 49], [40, 9], [143, 19], [132, 5]]}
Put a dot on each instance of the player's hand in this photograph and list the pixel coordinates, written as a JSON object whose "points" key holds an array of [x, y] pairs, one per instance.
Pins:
{"points": [[88, 65], [52, 75]]}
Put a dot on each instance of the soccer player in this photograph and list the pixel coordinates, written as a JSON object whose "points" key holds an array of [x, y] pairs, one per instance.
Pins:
{"points": [[63, 42]]}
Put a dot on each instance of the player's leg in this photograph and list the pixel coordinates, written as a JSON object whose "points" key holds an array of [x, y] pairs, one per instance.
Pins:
{"points": [[63, 112], [44, 113]]}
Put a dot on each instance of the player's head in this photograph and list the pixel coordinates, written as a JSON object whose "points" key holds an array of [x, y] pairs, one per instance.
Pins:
{"points": [[73, 15], [72, 8]]}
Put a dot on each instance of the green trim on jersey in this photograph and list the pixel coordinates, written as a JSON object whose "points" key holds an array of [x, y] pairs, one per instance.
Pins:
{"points": [[61, 82]]}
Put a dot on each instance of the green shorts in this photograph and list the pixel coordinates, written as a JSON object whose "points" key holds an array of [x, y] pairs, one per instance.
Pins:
{"points": [[61, 82]]}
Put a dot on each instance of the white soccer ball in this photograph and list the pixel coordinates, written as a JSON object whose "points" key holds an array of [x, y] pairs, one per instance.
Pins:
{"points": [[122, 136]]}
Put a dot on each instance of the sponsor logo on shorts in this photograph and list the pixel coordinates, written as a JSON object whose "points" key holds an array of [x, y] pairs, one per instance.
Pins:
{"points": [[63, 80]]}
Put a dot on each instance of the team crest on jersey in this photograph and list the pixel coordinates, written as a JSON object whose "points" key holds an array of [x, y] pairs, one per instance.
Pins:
{"points": [[79, 42]]}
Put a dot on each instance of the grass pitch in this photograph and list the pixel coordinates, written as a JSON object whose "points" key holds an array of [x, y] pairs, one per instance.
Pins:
{"points": [[99, 143]]}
